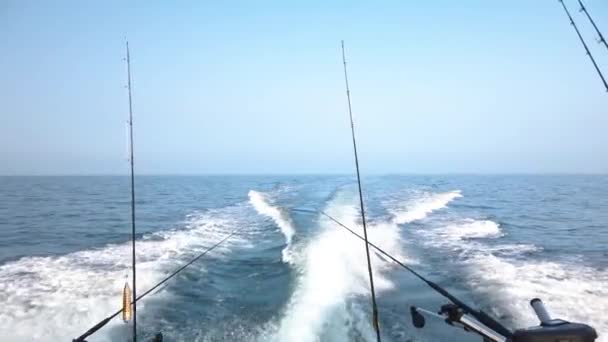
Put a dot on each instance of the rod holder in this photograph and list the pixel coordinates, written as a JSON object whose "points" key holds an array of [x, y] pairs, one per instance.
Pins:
{"points": [[541, 311]]}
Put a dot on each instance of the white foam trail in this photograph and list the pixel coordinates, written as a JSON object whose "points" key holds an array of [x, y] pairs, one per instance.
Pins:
{"points": [[59, 298], [570, 292], [263, 206], [575, 293], [465, 236], [423, 206], [334, 270], [472, 229]]}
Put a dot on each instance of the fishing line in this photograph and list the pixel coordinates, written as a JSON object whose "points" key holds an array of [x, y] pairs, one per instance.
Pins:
{"points": [[106, 320], [369, 264], [478, 314], [580, 37]]}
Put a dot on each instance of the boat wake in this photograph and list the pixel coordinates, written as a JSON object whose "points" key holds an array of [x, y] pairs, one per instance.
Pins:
{"points": [[331, 298], [58, 298], [422, 206], [572, 292], [501, 274], [469, 229], [334, 272], [264, 206]]}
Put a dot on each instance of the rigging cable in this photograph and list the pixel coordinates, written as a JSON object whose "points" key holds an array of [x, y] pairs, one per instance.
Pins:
{"points": [[106, 320], [478, 314], [369, 264], [599, 33], [578, 33], [132, 195]]}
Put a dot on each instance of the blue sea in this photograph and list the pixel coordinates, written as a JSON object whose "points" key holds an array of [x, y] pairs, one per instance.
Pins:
{"points": [[497, 241]]}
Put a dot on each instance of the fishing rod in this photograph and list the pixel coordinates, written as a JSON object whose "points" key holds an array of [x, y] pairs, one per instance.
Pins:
{"points": [[129, 306], [580, 37], [106, 320], [126, 294], [369, 264], [477, 321], [129, 309], [599, 33]]}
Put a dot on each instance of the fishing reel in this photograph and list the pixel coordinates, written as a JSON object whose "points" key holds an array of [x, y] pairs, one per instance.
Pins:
{"points": [[549, 330]]}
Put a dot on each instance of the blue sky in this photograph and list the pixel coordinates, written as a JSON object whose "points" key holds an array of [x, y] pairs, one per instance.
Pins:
{"points": [[257, 87]]}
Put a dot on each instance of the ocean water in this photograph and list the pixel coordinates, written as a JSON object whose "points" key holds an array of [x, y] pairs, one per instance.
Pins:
{"points": [[496, 241]]}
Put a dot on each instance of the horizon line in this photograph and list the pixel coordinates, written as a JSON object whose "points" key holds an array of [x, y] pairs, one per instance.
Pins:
{"points": [[313, 174]]}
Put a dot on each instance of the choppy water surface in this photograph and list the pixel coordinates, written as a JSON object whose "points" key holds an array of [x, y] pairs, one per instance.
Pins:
{"points": [[497, 241]]}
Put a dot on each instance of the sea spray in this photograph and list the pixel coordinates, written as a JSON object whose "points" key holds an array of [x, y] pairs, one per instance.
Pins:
{"points": [[264, 206], [421, 207], [334, 271]]}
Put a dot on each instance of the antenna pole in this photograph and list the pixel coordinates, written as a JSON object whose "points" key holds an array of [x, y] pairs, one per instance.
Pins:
{"points": [[599, 33], [369, 263], [578, 33], [132, 195]]}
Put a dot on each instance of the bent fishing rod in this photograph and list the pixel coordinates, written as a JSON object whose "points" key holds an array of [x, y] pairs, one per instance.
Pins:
{"points": [[580, 37], [601, 39], [369, 264], [458, 313]]}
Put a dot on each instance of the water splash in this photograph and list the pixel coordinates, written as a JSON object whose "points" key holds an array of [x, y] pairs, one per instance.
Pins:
{"points": [[263, 205], [422, 206], [571, 292], [58, 298], [472, 229], [508, 281], [334, 271]]}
